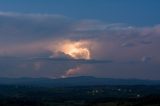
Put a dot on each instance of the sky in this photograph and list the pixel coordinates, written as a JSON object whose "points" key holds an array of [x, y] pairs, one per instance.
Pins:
{"points": [[64, 38]]}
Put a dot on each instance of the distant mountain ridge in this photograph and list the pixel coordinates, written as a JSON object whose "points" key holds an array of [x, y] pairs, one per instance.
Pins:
{"points": [[75, 81]]}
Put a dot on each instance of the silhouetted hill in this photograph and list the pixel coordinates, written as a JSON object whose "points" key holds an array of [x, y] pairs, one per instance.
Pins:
{"points": [[76, 81]]}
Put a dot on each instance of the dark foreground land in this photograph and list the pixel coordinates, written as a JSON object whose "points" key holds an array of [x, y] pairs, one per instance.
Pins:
{"points": [[122, 95]]}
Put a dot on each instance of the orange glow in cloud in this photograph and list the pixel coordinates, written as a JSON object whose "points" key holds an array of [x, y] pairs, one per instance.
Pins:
{"points": [[74, 49], [72, 71]]}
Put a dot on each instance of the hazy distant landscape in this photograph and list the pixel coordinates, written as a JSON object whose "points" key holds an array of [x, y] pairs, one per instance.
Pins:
{"points": [[75, 81], [78, 91]]}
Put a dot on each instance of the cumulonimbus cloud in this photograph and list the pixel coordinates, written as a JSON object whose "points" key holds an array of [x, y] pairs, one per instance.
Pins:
{"points": [[36, 35], [36, 32]]}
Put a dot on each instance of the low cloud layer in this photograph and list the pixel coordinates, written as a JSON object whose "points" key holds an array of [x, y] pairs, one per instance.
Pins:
{"points": [[43, 35]]}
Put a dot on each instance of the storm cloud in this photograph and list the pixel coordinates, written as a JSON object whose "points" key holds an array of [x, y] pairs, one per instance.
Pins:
{"points": [[38, 35]]}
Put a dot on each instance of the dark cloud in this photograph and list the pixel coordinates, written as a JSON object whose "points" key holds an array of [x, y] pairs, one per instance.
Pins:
{"points": [[146, 59], [68, 59], [30, 27], [126, 44], [146, 42], [38, 35]]}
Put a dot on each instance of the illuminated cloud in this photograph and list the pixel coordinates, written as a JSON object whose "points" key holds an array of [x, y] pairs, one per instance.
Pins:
{"points": [[72, 71], [74, 49], [44, 35]]}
